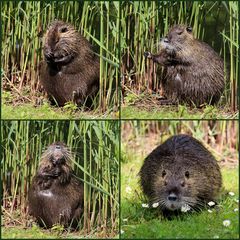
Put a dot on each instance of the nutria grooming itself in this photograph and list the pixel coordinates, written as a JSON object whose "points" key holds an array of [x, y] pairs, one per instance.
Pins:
{"points": [[70, 71], [193, 72], [55, 195], [180, 173]]}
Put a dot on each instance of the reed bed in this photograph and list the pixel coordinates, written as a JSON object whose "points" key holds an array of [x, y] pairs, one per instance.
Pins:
{"points": [[95, 146], [144, 23], [220, 137], [23, 25]]}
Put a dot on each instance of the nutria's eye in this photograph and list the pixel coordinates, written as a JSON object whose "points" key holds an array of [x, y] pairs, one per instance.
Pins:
{"points": [[63, 30], [179, 32], [164, 173], [189, 29], [187, 174]]}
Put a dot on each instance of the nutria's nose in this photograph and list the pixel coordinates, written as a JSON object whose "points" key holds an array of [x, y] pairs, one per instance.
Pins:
{"points": [[172, 197]]}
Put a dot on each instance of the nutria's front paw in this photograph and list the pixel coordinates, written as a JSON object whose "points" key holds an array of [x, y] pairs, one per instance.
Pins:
{"points": [[147, 55], [56, 172], [171, 51], [63, 59]]}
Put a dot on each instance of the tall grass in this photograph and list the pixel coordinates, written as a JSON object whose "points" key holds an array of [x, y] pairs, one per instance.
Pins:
{"points": [[95, 146], [23, 24], [220, 137], [144, 23]]}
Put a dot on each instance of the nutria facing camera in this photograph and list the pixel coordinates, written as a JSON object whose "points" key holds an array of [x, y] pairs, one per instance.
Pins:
{"points": [[55, 195], [193, 72], [180, 173], [70, 71]]}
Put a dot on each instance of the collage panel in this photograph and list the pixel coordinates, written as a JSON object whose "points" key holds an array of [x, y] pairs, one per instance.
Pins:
{"points": [[179, 59], [179, 179], [60, 179], [60, 59], [119, 119]]}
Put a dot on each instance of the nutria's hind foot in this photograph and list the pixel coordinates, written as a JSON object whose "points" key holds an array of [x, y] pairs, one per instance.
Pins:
{"points": [[77, 97], [147, 55]]}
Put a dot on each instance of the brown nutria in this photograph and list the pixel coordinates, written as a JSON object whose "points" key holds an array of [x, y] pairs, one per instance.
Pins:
{"points": [[70, 71], [180, 173], [193, 71], [55, 195]]}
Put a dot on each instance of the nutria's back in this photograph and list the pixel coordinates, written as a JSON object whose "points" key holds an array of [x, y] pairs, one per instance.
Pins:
{"points": [[55, 195], [193, 71], [180, 172], [70, 71]]}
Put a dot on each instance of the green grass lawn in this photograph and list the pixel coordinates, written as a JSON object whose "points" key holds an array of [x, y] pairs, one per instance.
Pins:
{"points": [[138, 222], [23, 110], [35, 232], [18, 226], [16, 107], [29, 111], [175, 112]]}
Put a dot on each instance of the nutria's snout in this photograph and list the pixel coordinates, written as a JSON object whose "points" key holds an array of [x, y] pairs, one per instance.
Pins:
{"points": [[173, 195], [173, 202], [58, 156]]}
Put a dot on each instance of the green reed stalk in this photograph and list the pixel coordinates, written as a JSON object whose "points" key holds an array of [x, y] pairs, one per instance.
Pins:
{"points": [[95, 149], [25, 22], [144, 23]]}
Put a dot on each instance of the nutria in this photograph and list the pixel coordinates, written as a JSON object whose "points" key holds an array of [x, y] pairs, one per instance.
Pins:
{"points": [[70, 71], [180, 173], [55, 195], [193, 72]]}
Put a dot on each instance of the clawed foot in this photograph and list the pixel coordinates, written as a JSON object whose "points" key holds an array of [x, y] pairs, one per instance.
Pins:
{"points": [[77, 97], [147, 55]]}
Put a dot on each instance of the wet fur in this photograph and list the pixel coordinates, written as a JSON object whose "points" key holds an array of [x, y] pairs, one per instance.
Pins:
{"points": [[70, 71], [199, 68], [55, 195], [175, 156]]}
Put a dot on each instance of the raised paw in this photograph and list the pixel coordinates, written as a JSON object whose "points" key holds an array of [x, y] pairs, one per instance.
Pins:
{"points": [[147, 55]]}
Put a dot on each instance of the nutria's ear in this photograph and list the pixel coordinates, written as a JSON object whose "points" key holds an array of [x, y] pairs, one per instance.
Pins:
{"points": [[189, 29]]}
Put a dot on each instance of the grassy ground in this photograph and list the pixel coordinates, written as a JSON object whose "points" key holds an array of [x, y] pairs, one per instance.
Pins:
{"points": [[147, 106], [28, 110], [18, 225], [36, 232], [176, 112], [138, 222]]}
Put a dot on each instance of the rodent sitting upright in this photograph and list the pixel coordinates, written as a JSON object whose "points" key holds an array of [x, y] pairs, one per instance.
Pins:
{"points": [[70, 71], [180, 173], [55, 195], [193, 71]]}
